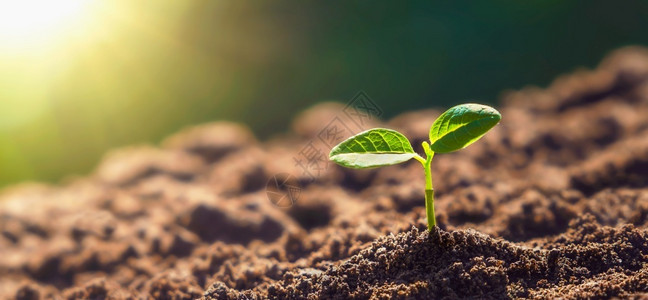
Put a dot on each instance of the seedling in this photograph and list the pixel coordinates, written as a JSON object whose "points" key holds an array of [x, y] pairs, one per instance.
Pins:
{"points": [[455, 129]]}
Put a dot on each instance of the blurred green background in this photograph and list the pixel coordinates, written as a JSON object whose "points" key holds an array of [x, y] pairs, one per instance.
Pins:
{"points": [[123, 72]]}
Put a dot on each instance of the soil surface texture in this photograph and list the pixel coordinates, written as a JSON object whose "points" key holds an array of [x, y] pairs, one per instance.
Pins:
{"points": [[551, 203]]}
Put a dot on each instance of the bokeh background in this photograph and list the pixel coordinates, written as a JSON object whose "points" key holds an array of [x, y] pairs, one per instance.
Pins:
{"points": [[79, 77]]}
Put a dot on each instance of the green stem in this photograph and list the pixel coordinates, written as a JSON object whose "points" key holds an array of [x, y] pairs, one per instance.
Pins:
{"points": [[429, 208], [429, 188]]}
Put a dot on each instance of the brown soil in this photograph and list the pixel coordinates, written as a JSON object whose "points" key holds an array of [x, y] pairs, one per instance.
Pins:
{"points": [[553, 203]]}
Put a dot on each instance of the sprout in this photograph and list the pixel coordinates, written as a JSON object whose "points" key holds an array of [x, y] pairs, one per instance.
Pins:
{"points": [[455, 129]]}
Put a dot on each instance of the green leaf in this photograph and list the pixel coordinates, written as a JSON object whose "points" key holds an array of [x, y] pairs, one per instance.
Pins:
{"points": [[373, 148], [461, 126]]}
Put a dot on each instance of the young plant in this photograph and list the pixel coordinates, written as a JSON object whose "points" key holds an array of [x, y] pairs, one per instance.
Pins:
{"points": [[455, 129]]}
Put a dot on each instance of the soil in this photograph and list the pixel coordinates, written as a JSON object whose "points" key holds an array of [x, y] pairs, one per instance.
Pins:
{"points": [[552, 203]]}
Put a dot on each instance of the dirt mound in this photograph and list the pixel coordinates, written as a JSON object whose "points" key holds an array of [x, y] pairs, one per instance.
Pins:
{"points": [[466, 263], [552, 203]]}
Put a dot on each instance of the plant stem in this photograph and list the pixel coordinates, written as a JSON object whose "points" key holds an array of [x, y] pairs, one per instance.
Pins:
{"points": [[429, 188], [429, 208]]}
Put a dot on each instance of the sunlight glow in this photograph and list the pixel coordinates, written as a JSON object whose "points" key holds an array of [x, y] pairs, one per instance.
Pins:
{"points": [[34, 22]]}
